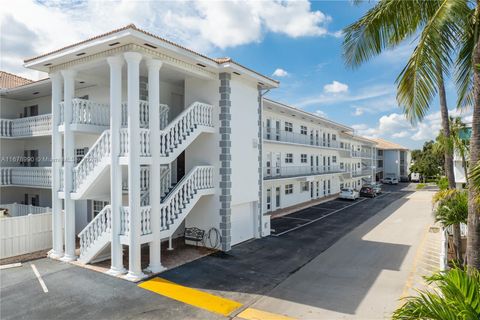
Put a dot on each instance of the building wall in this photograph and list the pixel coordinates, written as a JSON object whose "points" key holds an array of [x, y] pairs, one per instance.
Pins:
{"points": [[391, 162]]}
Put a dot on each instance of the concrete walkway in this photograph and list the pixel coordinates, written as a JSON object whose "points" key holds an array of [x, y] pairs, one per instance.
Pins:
{"points": [[364, 274]]}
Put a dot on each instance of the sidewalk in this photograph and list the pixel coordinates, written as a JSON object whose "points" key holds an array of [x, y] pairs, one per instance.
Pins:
{"points": [[364, 274]]}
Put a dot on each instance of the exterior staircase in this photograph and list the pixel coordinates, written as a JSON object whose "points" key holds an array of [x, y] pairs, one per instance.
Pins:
{"points": [[174, 208], [174, 139]]}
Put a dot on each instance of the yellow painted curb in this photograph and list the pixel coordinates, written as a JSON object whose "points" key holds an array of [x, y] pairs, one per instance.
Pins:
{"points": [[254, 314], [191, 296]]}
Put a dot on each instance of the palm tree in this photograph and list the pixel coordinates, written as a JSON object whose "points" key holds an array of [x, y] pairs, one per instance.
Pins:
{"points": [[445, 28], [456, 296], [474, 177], [451, 210]]}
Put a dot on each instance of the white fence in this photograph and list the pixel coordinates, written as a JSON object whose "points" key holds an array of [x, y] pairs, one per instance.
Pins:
{"points": [[22, 235]]}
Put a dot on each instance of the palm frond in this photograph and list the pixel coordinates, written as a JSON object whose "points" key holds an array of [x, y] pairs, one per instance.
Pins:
{"points": [[475, 176], [464, 62], [384, 26], [418, 82]]}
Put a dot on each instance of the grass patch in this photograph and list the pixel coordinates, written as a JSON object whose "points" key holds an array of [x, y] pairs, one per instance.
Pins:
{"points": [[421, 186]]}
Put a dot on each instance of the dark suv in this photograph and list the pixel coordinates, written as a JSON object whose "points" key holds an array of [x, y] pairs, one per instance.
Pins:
{"points": [[367, 192]]}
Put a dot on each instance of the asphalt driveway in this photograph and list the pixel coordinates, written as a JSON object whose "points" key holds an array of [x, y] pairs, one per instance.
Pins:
{"points": [[250, 269]]}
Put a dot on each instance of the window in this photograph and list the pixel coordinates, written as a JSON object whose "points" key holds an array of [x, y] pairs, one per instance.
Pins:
{"points": [[79, 154], [289, 189], [342, 166], [334, 159], [358, 165], [341, 145], [334, 137], [303, 158], [98, 206], [303, 130], [304, 186], [289, 158], [288, 126]]}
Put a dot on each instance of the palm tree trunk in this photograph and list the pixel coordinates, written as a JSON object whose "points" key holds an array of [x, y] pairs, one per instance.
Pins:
{"points": [[457, 237], [473, 220], [446, 131]]}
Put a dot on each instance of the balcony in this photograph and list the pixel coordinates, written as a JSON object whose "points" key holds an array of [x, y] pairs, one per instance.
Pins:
{"points": [[270, 173], [271, 134], [26, 127], [40, 177], [361, 154], [19, 210], [361, 173], [89, 115]]}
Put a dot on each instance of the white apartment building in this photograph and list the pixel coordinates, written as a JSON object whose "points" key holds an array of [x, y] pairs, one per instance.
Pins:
{"points": [[393, 160], [307, 157], [138, 138], [133, 138]]}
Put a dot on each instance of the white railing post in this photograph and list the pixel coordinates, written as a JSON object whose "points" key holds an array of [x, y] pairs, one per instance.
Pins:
{"points": [[115, 64], [155, 172], [133, 91], [69, 162], [57, 237]]}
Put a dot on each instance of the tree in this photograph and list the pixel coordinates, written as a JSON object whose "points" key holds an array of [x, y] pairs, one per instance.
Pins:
{"points": [[452, 209], [446, 28], [456, 296], [460, 145], [427, 161]]}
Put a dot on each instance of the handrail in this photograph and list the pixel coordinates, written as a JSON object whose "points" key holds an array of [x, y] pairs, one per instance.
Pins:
{"points": [[196, 114], [97, 227], [27, 126], [26, 176], [200, 177], [99, 150]]}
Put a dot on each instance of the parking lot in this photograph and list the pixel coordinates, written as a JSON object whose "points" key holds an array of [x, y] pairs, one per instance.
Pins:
{"points": [[284, 224], [249, 270]]}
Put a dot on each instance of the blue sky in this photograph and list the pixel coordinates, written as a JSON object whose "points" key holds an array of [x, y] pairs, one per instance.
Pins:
{"points": [[297, 43]]}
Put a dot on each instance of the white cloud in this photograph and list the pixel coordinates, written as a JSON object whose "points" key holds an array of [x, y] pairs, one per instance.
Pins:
{"points": [[397, 126], [365, 94], [32, 27], [320, 113], [280, 73], [335, 87]]}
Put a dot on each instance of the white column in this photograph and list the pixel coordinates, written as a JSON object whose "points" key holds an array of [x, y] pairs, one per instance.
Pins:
{"points": [[57, 236], [115, 64], [133, 66], [69, 163], [154, 125]]}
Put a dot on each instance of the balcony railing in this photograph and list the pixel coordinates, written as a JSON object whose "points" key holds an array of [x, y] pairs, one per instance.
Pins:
{"points": [[18, 210], [145, 115], [87, 112], [363, 172], [298, 171], [361, 154], [294, 137], [26, 127], [26, 176]]}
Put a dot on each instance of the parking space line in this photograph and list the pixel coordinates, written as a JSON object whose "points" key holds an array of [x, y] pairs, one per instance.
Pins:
{"points": [[11, 265], [318, 219], [293, 218], [39, 277], [255, 314], [194, 297]]}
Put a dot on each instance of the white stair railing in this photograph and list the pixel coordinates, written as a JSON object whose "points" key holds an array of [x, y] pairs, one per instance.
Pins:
{"points": [[99, 151], [197, 114], [87, 112], [125, 221], [98, 226], [145, 115], [165, 179], [6, 127], [143, 140], [198, 178]]}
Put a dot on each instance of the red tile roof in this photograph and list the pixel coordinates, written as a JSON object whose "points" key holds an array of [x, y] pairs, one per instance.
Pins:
{"points": [[387, 145], [9, 80]]}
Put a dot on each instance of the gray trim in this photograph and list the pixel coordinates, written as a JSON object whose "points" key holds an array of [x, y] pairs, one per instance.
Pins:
{"points": [[225, 161], [260, 161]]}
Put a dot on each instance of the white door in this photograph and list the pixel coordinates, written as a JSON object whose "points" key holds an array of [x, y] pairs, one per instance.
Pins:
{"points": [[269, 200]]}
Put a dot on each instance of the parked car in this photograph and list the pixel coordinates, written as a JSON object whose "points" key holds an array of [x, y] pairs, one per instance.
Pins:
{"points": [[367, 192], [377, 187], [349, 193], [390, 180], [415, 177]]}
